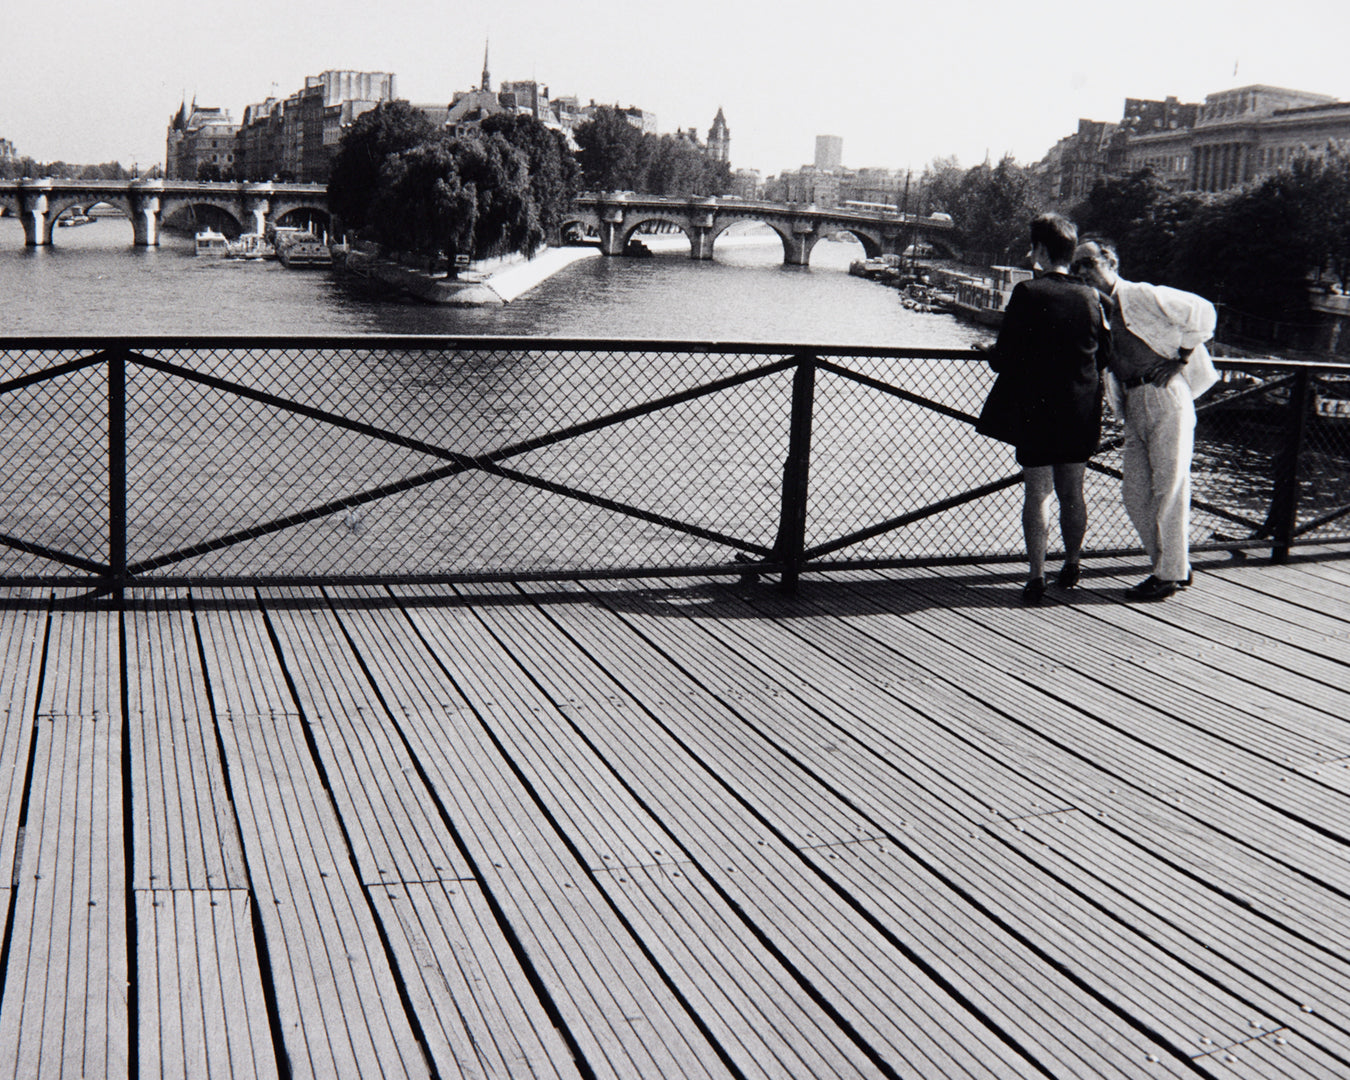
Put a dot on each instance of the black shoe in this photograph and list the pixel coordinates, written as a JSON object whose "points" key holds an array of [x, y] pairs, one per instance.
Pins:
{"points": [[1190, 579], [1033, 591], [1151, 588], [1068, 575]]}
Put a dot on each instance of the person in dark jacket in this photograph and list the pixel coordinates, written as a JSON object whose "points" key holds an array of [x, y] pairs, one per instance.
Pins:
{"points": [[1053, 344]]}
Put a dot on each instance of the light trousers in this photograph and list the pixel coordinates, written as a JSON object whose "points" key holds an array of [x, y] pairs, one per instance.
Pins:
{"points": [[1156, 464]]}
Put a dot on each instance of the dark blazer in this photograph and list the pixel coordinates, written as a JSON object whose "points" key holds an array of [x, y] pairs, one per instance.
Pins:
{"points": [[1053, 345]]}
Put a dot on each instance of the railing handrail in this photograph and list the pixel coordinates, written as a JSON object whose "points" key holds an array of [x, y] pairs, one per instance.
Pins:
{"points": [[485, 342], [83, 342]]}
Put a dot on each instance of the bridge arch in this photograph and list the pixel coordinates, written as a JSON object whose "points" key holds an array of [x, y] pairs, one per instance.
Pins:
{"points": [[182, 211], [299, 212], [633, 224]]}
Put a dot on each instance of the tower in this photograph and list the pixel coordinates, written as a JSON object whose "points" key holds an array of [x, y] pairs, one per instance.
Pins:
{"points": [[487, 79], [719, 138]]}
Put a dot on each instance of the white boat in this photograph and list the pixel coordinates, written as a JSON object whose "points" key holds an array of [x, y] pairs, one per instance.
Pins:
{"points": [[250, 246], [212, 243]]}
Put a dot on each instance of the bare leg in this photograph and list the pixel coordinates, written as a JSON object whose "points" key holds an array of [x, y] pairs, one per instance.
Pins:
{"points": [[1072, 508], [1038, 481]]}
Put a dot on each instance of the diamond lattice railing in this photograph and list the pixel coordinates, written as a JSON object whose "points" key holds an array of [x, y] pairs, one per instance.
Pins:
{"points": [[374, 458]]}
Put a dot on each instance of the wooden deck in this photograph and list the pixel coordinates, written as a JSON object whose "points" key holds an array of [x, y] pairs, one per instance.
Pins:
{"points": [[896, 826]]}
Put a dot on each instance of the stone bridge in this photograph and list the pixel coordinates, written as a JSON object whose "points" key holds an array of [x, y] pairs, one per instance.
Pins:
{"points": [[39, 203], [616, 216]]}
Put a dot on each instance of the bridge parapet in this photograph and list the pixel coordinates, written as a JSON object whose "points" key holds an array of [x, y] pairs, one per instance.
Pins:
{"points": [[39, 202], [616, 215]]}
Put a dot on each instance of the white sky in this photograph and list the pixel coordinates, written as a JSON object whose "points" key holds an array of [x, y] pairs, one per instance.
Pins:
{"points": [[901, 81]]}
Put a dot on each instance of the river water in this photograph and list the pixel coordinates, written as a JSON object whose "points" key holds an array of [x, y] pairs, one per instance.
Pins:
{"points": [[92, 280]]}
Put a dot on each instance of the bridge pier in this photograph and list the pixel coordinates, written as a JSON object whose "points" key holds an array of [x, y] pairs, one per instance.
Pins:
{"points": [[33, 207], [701, 222], [257, 202], [145, 211], [797, 247], [611, 232]]}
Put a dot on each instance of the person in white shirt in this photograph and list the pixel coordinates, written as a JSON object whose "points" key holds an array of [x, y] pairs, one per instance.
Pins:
{"points": [[1158, 366]]}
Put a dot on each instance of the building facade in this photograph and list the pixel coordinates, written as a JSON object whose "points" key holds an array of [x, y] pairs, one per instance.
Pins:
{"points": [[201, 144], [1235, 137], [287, 139], [829, 151]]}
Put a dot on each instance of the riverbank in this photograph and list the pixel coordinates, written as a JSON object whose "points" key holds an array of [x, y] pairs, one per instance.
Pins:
{"points": [[498, 282]]}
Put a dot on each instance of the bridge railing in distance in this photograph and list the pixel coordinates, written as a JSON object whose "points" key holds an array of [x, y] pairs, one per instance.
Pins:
{"points": [[179, 461]]}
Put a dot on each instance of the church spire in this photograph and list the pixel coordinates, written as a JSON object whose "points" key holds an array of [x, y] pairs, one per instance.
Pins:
{"points": [[487, 79]]}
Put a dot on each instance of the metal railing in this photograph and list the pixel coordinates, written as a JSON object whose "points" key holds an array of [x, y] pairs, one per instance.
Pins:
{"points": [[214, 461]]}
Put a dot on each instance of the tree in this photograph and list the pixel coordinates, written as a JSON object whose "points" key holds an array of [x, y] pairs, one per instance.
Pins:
{"points": [[390, 128], [1144, 217], [553, 171], [993, 208], [467, 196], [499, 176], [1249, 250], [940, 184], [610, 152]]}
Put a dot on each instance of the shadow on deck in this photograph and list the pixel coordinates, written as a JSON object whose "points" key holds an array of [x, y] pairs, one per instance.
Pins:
{"points": [[895, 825]]}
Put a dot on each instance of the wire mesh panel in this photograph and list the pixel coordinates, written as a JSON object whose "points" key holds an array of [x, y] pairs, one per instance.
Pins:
{"points": [[1324, 465], [900, 445], [401, 462], [375, 458], [54, 473]]}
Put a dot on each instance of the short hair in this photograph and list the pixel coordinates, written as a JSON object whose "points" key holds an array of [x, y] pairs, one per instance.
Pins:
{"points": [[1057, 234], [1096, 251]]}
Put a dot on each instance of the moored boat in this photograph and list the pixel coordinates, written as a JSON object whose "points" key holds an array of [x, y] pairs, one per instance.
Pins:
{"points": [[212, 244], [982, 299], [250, 246], [298, 250]]}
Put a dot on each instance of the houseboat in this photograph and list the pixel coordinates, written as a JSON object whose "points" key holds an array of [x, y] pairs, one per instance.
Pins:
{"points": [[982, 299], [250, 246], [299, 250]]}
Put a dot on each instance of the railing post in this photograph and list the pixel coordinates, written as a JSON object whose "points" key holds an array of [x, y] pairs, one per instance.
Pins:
{"points": [[117, 472], [1284, 500], [791, 542]]}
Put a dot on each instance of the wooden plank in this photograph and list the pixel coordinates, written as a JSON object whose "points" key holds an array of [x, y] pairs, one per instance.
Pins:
{"points": [[65, 1006], [1279, 970], [620, 1015], [1100, 723], [391, 819], [184, 827], [852, 678], [201, 1007], [591, 803], [768, 884], [745, 998], [22, 631], [337, 997], [769, 1023], [978, 879], [1193, 820], [478, 1010]]}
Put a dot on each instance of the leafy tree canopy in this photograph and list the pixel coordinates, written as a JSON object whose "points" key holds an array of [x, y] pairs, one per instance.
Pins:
{"points": [[1144, 217], [446, 196], [615, 156], [993, 208], [553, 171], [392, 127]]}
